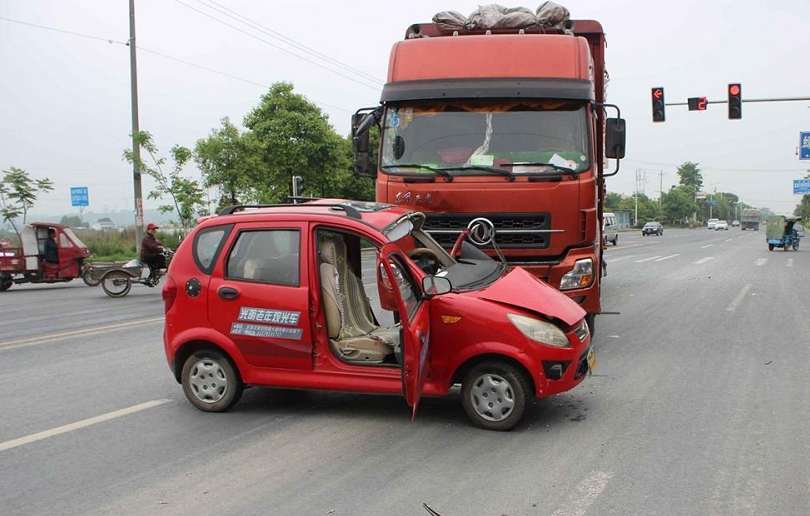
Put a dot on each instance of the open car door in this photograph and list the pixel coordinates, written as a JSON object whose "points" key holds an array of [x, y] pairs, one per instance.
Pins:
{"points": [[415, 318]]}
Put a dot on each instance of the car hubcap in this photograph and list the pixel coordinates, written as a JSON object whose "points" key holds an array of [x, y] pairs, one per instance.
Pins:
{"points": [[492, 397], [208, 381]]}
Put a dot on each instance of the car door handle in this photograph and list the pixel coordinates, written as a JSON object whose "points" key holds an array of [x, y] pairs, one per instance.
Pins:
{"points": [[228, 293]]}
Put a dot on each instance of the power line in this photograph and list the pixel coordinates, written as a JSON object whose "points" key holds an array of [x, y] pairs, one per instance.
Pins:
{"points": [[721, 169], [278, 47], [165, 56], [286, 39]]}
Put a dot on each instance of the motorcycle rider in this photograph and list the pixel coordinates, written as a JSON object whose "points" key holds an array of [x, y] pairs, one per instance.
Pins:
{"points": [[152, 251]]}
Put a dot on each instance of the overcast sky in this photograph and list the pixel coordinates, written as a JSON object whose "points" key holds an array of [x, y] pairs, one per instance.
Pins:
{"points": [[65, 103]]}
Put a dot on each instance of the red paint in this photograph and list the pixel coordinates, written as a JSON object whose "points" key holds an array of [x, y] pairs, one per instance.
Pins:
{"points": [[72, 254]]}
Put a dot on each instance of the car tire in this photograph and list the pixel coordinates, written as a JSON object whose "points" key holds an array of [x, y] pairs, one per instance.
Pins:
{"points": [[211, 382], [615, 240], [5, 282], [509, 387]]}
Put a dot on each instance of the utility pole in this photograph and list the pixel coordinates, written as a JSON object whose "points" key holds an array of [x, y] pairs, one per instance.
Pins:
{"points": [[661, 174], [641, 180], [136, 148]]}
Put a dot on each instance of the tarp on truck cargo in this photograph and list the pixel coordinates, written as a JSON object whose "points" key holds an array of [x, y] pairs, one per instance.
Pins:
{"points": [[775, 228], [493, 16]]}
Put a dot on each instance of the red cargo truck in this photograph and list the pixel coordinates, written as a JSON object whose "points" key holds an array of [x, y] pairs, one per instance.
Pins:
{"points": [[505, 124]]}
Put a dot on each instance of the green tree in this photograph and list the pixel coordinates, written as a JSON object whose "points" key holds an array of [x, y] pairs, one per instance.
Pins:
{"points": [[18, 193], [678, 204], [294, 137], [612, 201], [647, 208], [186, 195], [226, 158], [73, 221], [690, 176]]}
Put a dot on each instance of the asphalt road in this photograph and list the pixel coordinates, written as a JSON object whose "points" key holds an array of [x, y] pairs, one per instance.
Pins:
{"points": [[699, 406]]}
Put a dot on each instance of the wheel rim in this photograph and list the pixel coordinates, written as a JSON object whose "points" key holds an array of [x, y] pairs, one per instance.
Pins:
{"points": [[208, 381], [492, 397], [116, 283]]}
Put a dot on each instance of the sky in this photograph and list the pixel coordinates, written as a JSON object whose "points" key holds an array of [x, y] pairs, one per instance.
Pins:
{"points": [[65, 99]]}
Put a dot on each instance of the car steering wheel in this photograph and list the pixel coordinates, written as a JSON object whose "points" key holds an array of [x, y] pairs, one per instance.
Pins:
{"points": [[426, 259]]}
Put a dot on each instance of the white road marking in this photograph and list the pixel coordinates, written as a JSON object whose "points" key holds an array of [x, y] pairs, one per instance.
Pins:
{"points": [[581, 498], [667, 257], [79, 424], [736, 301], [729, 239], [648, 259], [704, 260], [741, 236], [789, 262], [76, 333], [611, 260], [707, 246], [760, 262]]}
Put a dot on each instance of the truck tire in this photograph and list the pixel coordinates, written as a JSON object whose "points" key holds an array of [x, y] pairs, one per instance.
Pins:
{"points": [[211, 382], [5, 282], [495, 394]]}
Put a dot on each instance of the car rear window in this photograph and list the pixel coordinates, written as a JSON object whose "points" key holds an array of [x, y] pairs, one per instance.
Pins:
{"points": [[207, 245]]}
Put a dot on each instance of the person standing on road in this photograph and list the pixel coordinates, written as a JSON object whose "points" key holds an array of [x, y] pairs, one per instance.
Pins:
{"points": [[152, 250], [51, 249]]}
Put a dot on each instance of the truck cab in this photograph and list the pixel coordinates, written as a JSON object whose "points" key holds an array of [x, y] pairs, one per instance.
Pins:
{"points": [[504, 124]]}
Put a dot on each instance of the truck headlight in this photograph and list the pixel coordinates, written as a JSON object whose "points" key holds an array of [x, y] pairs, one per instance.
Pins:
{"points": [[539, 331], [581, 276]]}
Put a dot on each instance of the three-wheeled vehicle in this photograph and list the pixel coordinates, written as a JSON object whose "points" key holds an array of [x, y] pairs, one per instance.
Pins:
{"points": [[117, 281], [27, 264], [352, 296], [782, 232]]}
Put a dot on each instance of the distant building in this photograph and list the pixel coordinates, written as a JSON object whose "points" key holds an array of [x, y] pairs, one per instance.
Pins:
{"points": [[622, 218], [103, 224]]}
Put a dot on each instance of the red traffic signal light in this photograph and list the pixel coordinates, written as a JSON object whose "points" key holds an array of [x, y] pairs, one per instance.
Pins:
{"points": [[734, 101], [697, 103], [658, 109]]}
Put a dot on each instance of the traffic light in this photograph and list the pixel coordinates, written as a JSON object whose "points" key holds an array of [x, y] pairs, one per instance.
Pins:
{"points": [[658, 110], [697, 103], [735, 101], [297, 186]]}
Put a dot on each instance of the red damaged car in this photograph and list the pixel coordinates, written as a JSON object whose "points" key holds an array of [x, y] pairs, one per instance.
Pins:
{"points": [[352, 296]]}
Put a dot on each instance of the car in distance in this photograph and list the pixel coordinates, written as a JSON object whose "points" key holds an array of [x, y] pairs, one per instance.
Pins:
{"points": [[735, 223], [610, 229], [712, 223], [721, 224], [652, 228]]}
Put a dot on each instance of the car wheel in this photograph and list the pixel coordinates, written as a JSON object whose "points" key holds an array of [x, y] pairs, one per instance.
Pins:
{"points": [[5, 282], [116, 283], [210, 382], [615, 240], [495, 395]]}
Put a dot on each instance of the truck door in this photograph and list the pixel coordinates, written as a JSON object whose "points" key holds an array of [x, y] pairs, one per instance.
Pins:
{"points": [[415, 317], [258, 295]]}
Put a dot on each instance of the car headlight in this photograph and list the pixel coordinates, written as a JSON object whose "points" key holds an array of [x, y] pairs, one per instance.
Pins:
{"points": [[539, 331], [581, 275]]}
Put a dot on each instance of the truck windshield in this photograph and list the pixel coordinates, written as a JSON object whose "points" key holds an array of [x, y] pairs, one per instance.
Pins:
{"points": [[470, 137]]}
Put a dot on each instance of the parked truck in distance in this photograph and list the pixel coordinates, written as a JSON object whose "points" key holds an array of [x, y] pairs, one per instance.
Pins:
{"points": [[750, 219], [506, 124]]}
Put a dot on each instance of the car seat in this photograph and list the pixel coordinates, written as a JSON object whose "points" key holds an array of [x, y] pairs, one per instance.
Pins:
{"points": [[353, 333]]}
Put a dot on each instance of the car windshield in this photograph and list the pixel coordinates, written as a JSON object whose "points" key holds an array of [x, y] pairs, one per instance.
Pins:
{"points": [[482, 138], [73, 237]]}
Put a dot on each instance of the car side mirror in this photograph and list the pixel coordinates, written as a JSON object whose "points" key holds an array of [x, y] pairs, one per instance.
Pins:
{"points": [[434, 286], [361, 128], [615, 137]]}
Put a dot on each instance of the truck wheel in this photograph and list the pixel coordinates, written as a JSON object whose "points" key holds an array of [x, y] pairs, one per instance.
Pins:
{"points": [[210, 382], [89, 280], [5, 282], [116, 283], [495, 395]]}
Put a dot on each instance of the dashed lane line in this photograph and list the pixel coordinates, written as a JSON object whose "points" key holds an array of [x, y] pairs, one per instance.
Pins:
{"points": [[789, 262], [648, 259], [704, 260], [760, 262], [729, 239], [736, 301], [707, 246], [620, 258], [32, 341], [585, 494], [667, 257], [79, 424]]}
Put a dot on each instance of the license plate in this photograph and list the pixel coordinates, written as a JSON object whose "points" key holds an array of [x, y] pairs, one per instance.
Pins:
{"points": [[591, 361]]}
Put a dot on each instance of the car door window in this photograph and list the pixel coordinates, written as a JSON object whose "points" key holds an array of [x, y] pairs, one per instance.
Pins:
{"points": [[266, 256], [407, 287]]}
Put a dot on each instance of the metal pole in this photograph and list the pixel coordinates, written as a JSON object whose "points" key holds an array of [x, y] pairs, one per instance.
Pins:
{"points": [[136, 148]]}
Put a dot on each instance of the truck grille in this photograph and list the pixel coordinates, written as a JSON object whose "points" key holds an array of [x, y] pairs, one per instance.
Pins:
{"points": [[513, 230]]}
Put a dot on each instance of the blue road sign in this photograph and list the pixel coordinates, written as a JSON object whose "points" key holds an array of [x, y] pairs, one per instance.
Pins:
{"points": [[78, 196], [713, 202], [801, 186], [804, 145]]}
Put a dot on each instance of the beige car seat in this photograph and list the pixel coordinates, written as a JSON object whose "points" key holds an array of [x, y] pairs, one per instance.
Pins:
{"points": [[353, 334]]}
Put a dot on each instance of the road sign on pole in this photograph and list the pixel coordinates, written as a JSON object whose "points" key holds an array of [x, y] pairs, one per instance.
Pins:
{"points": [[79, 197], [712, 202], [801, 186], [804, 145]]}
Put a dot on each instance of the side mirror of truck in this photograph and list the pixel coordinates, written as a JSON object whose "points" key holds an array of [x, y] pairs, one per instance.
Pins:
{"points": [[615, 136], [361, 126]]}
